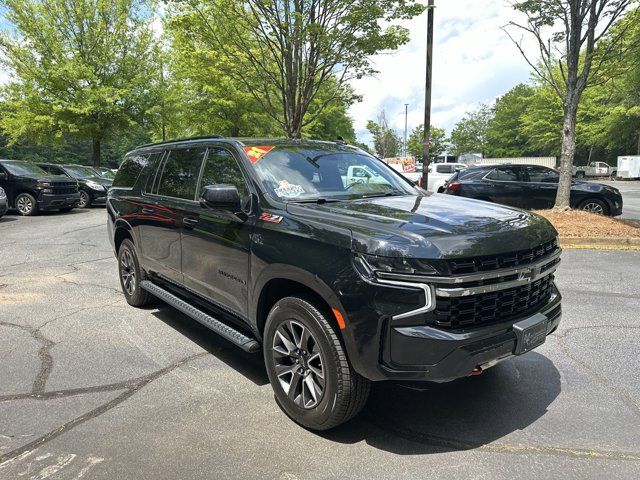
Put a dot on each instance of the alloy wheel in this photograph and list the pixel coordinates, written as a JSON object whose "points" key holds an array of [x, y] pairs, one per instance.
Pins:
{"points": [[127, 272], [24, 205], [84, 199], [298, 364], [593, 208]]}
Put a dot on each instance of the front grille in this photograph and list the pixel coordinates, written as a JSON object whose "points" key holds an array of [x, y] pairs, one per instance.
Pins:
{"points": [[64, 188], [486, 308], [505, 260]]}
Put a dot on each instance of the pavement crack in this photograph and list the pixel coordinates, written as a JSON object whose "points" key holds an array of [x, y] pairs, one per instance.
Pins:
{"points": [[626, 398], [44, 354], [387, 426], [130, 387]]}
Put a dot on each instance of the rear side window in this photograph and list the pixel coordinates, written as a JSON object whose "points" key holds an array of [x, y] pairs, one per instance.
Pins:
{"points": [[180, 173], [130, 169], [503, 174], [222, 167], [471, 174], [444, 169]]}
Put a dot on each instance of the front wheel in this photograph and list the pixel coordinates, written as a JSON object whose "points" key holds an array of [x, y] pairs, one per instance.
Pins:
{"points": [[595, 206], [308, 367], [26, 204], [580, 175], [85, 199]]}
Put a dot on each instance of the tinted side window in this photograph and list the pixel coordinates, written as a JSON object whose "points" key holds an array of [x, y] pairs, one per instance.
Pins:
{"points": [[444, 169], [130, 170], [180, 173], [503, 174], [541, 175], [471, 174], [221, 167]]}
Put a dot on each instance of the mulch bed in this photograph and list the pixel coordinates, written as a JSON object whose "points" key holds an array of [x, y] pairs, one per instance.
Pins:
{"points": [[579, 224]]}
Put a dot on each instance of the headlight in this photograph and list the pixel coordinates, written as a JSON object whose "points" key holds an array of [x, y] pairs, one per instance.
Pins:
{"points": [[95, 186], [43, 184], [615, 191], [2, 194], [407, 266]]}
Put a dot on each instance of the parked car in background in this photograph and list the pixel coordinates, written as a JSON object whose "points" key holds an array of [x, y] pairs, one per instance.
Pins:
{"points": [[531, 187], [30, 189], [337, 284], [439, 173], [105, 172], [93, 188], [595, 169], [4, 204]]}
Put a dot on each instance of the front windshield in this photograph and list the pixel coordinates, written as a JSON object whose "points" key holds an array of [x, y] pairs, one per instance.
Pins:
{"points": [[24, 168], [80, 172], [306, 173]]}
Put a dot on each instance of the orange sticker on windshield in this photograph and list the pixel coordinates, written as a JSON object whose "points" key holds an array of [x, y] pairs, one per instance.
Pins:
{"points": [[256, 153]]}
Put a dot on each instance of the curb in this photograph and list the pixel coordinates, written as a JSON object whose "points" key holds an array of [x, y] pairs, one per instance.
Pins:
{"points": [[631, 243]]}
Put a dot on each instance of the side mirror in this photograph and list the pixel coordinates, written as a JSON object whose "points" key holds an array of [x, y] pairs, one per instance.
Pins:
{"points": [[221, 197], [3, 176]]}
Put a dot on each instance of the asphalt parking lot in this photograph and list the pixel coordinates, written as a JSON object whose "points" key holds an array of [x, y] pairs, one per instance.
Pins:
{"points": [[92, 388]]}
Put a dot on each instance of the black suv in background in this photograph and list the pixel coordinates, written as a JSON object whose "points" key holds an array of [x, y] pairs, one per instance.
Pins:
{"points": [[4, 203], [93, 188], [338, 282], [532, 187], [30, 189]]}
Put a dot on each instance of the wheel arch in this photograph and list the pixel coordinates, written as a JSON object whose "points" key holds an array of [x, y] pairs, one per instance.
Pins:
{"points": [[122, 230], [281, 281]]}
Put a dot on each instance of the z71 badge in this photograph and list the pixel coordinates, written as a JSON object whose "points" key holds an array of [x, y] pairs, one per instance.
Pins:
{"points": [[267, 217]]}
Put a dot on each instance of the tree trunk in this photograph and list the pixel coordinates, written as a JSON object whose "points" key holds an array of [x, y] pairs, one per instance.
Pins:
{"points": [[96, 152], [567, 153]]}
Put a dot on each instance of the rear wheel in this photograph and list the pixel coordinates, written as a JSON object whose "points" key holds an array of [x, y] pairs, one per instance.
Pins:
{"points": [[131, 275], [594, 206], [26, 204], [308, 367], [85, 199]]}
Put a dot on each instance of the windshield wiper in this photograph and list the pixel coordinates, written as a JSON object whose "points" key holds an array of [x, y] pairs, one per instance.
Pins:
{"points": [[388, 194], [319, 201]]}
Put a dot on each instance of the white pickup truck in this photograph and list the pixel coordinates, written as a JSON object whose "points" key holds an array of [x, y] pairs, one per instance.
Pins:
{"points": [[595, 169], [439, 173]]}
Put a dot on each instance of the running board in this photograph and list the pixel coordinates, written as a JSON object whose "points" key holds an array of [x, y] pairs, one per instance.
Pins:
{"points": [[222, 329]]}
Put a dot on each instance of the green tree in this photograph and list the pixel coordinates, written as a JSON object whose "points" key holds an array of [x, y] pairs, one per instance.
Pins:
{"points": [[386, 141], [470, 134], [81, 68], [567, 33], [438, 139], [285, 52]]}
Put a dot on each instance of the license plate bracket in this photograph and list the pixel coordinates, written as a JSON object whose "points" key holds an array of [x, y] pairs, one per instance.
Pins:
{"points": [[530, 333]]}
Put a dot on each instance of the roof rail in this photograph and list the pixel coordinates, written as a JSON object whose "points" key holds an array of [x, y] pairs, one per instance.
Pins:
{"points": [[175, 140]]}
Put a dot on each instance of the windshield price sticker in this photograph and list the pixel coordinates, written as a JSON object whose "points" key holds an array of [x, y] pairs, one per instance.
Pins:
{"points": [[255, 154], [288, 190]]}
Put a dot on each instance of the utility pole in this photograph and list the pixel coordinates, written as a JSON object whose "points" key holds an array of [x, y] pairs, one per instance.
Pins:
{"points": [[405, 151], [427, 97]]}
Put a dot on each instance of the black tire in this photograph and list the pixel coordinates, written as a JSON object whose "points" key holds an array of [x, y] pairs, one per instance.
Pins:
{"points": [[131, 275], [26, 205], [85, 199], [614, 175], [580, 175], [344, 392], [594, 205], [66, 209]]}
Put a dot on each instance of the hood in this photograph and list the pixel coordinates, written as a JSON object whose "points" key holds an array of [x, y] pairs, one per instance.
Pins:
{"points": [[105, 182], [431, 226], [55, 179]]}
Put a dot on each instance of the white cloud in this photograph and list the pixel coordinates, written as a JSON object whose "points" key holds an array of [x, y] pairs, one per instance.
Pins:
{"points": [[474, 62]]}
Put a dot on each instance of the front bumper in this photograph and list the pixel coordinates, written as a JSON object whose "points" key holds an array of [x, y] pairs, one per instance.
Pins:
{"points": [[51, 202], [424, 353]]}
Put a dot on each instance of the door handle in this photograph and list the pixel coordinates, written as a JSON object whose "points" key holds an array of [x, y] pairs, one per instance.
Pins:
{"points": [[190, 221], [148, 210]]}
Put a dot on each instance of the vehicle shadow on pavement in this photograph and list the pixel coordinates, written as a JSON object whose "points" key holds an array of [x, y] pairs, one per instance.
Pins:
{"points": [[461, 415], [251, 365]]}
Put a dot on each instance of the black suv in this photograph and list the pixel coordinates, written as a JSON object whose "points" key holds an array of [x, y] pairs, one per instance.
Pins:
{"points": [[30, 189], [93, 188], [339, 282], [531, 187]]}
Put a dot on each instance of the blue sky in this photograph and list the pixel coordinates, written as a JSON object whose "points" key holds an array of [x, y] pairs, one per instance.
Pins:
{"points": [[474, 62]]}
